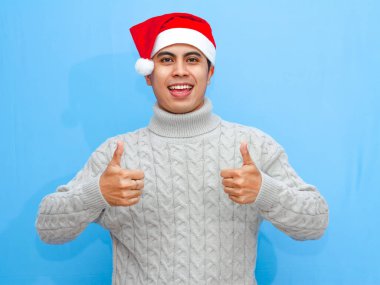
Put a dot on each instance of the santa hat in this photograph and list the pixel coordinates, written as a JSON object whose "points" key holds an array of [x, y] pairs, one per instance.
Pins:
{"points": [[161, 31]]}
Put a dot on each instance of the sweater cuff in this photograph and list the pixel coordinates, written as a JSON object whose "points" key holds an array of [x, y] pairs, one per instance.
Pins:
{"points": [[92, 197], [268, 195]]}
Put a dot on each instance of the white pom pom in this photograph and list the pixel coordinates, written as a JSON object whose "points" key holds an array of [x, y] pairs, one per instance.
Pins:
{"points": [[144, 66]]}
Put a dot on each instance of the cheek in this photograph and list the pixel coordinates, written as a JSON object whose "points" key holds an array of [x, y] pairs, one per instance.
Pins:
{"points": [[204, 79], [159, 78], [206, 73]]}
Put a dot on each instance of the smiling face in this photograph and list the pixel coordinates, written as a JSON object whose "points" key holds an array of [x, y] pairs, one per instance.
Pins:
{"points": [[180, 78]]}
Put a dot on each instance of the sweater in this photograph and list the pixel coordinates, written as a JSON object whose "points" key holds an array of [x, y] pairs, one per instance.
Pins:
{"points": [[185, 229]]}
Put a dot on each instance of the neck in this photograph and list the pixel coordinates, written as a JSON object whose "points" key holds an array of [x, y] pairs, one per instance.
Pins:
{"points": [[195, 123]]}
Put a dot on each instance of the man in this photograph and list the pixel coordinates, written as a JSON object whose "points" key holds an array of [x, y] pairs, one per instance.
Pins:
{"points": [[183, 198]]}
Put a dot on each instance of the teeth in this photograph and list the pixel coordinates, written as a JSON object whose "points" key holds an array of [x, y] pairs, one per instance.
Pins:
{"points": [[180, 87]]}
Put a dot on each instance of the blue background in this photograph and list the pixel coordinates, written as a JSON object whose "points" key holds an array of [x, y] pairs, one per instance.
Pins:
{"points": [[306, 72]]}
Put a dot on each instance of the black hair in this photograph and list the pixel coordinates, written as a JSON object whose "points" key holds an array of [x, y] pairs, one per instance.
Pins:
{"points": [[208, 64]]}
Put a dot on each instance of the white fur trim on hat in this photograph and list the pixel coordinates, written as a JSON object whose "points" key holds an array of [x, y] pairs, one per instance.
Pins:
{"points": [[144, 66], [185, 36]]}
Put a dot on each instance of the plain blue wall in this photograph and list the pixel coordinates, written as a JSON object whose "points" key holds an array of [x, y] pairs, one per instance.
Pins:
{"points": [[306, 72]]}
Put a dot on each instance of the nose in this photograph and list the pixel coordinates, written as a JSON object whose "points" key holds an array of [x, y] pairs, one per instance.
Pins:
{"points": [[180, 68]]}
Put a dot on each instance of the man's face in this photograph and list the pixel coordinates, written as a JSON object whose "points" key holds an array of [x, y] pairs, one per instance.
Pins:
{"points": [[180, 78]]}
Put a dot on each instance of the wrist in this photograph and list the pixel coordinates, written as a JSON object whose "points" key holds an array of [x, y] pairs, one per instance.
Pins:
{"points": [[93, 197]]}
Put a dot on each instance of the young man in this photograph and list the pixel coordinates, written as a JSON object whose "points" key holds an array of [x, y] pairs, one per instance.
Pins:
{"points": [[183, 198]]}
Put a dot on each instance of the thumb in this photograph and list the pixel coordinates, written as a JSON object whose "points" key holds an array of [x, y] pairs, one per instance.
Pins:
{"points": [[116, 158], [247, 160]]}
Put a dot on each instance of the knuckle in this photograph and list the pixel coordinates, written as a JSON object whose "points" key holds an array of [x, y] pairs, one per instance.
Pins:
{"points": [[121, 185], [240, 181], [134, 194], [131, 185], [125, 173], [247, 200], [233, 198], [134, 201], [124, 202], [127, 184], [239, 200], [139, 184]]}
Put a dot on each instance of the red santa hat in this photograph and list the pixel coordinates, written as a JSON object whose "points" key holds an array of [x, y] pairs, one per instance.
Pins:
{"points": [[158, 32]]}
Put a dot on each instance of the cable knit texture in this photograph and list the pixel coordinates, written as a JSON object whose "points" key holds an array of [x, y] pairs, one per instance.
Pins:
{"points": [[185, 229]]}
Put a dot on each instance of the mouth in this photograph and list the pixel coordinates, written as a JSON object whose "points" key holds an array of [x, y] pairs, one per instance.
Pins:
{"points": [[180, 90]]}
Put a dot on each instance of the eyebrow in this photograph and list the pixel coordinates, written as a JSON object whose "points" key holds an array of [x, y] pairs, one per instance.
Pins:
{"points": [[163, 53], [193, 53]]}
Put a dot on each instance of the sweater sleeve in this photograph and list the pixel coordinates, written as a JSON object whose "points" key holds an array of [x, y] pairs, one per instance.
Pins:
{"points": [[63, 215], [291, 205]]}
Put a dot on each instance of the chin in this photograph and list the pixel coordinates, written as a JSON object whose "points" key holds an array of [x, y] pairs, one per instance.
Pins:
{"points": [[179, 111], [188, 109], [182, 107]]}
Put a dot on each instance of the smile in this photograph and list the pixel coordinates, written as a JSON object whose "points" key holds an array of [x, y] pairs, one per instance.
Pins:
{"points": [[180, 90], [180, 87]]}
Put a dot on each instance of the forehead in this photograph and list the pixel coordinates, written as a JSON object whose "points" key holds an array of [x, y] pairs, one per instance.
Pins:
{"points": [[180, 49]]}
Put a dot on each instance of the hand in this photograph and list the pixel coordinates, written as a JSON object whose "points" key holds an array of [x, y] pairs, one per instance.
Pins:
{"points": [[242, 184], [121, 187]]}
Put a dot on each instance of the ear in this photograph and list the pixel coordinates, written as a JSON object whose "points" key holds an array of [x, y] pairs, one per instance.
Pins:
{"points": [[210, 74], [148, 81]]}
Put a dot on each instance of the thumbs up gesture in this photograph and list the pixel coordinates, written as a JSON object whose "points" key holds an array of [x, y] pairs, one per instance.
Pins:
{"points": [[121, 187], [242, 184]]}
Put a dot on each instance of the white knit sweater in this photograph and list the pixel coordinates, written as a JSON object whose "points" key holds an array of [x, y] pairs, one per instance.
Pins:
{"points": [[185, 229]]}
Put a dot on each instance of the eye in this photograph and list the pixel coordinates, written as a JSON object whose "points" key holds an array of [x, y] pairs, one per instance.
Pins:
{"points": [[193, 59], [166, 59]]}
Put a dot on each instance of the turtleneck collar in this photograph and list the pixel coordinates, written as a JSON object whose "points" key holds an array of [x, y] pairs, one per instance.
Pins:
{"points": [[186, 125]]}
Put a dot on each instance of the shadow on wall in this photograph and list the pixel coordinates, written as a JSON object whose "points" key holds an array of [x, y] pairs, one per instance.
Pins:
{"points": [[107, 98]]}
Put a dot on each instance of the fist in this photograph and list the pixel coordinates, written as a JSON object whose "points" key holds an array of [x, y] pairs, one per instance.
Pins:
{"points": [[242, 185], [121, 187]]}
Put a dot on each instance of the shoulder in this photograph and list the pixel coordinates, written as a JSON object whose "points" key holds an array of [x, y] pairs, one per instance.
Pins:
{"points": [[130, 140], [131, 137], [261, 144], [255, 134]]}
